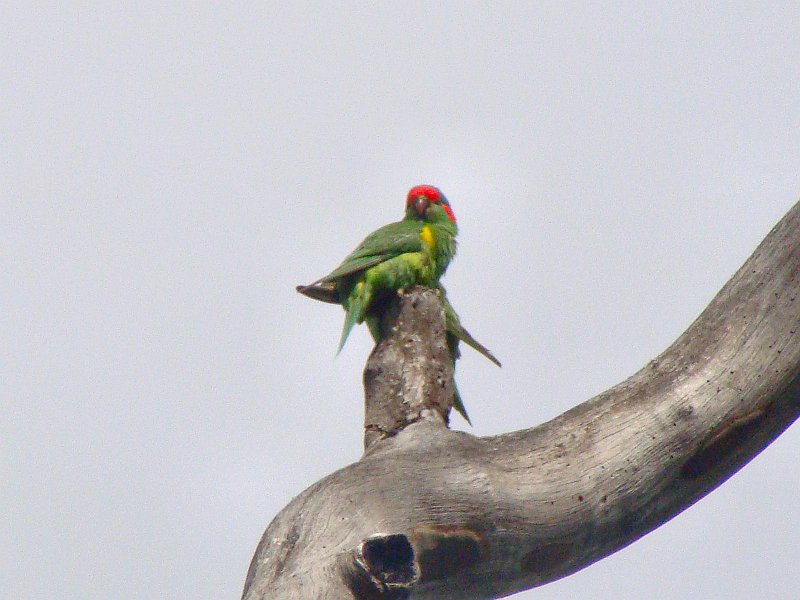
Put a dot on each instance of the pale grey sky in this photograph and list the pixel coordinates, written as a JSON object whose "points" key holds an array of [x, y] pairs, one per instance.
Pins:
{"points": [[170, 172]]}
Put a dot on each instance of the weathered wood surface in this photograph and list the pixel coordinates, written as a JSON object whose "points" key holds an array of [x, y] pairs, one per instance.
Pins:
{"points": [[409, 374], [434, 513]]}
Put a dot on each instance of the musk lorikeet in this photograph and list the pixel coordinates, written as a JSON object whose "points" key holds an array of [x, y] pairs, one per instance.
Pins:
{"points": [[398, 256]]}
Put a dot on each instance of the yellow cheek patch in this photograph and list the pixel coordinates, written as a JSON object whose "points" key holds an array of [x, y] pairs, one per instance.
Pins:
{"points": [[426, 235]]}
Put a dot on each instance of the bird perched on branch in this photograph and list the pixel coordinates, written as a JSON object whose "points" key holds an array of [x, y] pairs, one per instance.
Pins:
{"points": [[398, 256]]}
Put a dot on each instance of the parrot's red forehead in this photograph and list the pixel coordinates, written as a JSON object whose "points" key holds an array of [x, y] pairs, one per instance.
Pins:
{"points": [[431, 193]]}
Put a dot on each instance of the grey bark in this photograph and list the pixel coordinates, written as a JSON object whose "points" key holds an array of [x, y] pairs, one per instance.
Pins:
{"points": [[432, 513], [409, 374]]}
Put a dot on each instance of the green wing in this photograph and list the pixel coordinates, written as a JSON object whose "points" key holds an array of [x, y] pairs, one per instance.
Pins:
{"points": [[380, 245]]}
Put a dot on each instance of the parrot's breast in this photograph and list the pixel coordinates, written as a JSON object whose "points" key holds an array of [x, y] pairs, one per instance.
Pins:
{"points": [[427, 237]]}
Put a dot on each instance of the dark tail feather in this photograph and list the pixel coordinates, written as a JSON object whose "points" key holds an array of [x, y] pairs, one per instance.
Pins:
{"points": [[325, 292], [464, 335], [453, 324], [459, 405]]}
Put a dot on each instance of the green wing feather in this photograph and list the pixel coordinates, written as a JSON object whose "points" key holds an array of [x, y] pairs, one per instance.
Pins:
{"points": [[382, 244], [379, 246]]}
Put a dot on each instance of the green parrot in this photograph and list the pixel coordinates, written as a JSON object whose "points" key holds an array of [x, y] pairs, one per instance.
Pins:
{"points": [[398, 256]]}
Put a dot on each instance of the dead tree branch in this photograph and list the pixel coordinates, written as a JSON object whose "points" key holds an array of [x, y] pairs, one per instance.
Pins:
{"points": [[433, 513]]}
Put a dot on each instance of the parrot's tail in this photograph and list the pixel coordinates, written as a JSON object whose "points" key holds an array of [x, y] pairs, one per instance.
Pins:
{"points": [[458, 404], [355, 309], [349, 322], [454, 327], [464, 335]]}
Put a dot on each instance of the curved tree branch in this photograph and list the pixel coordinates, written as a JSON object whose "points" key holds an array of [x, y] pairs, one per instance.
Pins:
{"points": [[433, 513]]}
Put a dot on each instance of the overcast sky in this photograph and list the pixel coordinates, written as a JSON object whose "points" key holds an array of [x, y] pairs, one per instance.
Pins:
{"points": [[170, 172]]}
